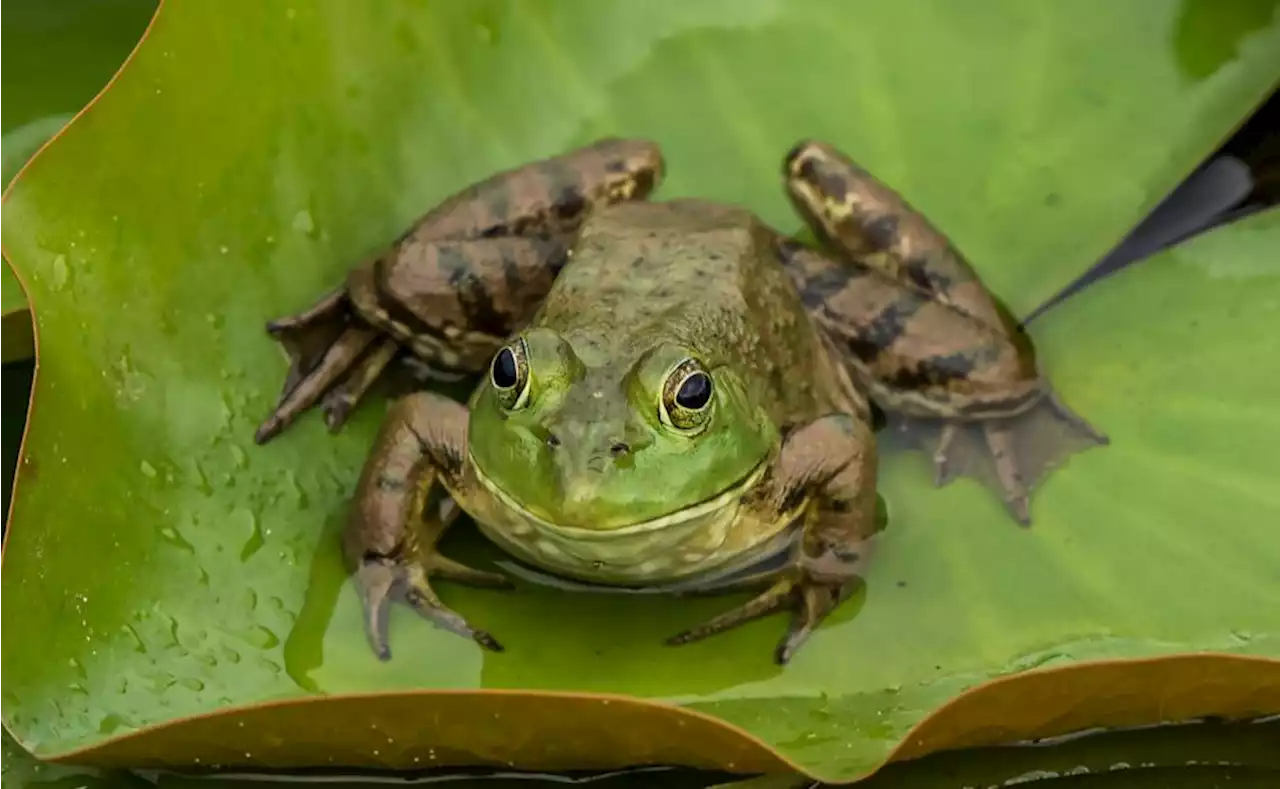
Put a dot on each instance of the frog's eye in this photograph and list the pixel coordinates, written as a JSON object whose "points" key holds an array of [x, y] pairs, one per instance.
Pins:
{"points": [[509, 374], [686, 396]]}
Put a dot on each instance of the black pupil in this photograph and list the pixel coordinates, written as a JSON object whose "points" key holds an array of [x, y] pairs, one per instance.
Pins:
{"points": [[504, 369], [695, 392]]}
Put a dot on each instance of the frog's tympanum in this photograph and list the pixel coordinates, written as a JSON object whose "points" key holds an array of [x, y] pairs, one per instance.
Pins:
{"points": [[671, 391]]}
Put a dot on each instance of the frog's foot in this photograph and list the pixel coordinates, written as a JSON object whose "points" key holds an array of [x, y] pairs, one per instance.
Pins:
{"points": [[382, 579], [333, 360], [1010, 454], [810, 596]]}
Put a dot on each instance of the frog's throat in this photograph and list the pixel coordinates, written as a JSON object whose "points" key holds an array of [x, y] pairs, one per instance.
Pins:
{"points": [[694, 512]]}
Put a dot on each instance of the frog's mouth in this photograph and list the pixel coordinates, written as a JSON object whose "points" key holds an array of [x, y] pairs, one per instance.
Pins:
{"points": [[690, 515]]}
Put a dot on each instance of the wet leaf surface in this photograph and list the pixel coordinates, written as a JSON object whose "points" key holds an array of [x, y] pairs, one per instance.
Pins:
{"points": [[57, 56], [162, 566]]}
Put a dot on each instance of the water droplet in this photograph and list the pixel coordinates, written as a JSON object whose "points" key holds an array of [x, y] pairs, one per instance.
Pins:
{"points": [[254, 541], [79, 668], [302, 501], [224, 249], [147, 469], [110, 724], [228, 411], [303, 223], [192, 684], [174, 537], [174, 641], [202, 481], [59, 273], [262, 638], [139, 645], [230, 655]]}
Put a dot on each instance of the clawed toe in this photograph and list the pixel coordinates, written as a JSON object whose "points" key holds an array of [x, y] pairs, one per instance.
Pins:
{"points": [[381, 579], [333, 360], [809, 600], [941, 466]]}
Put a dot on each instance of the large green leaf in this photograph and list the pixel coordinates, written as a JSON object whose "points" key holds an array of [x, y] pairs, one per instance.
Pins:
{"points": [[56, 57], [160, 565]]}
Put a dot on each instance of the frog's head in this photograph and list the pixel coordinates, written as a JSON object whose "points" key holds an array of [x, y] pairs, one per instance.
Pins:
{"points": [[591, 444]]}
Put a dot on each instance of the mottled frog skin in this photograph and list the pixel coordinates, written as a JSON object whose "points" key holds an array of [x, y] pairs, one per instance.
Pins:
{"points": [[672, 391]]}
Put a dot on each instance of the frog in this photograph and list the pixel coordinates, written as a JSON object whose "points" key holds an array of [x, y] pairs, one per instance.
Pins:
{"points": [[668, 393]]}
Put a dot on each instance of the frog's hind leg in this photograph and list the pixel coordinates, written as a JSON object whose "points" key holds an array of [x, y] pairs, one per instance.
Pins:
{"points": [[861, 218], [502, 236], [967, 393], [925, 336]]}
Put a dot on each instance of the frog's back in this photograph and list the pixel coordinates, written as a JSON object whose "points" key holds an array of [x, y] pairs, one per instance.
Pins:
{"points": [[700, 274]]}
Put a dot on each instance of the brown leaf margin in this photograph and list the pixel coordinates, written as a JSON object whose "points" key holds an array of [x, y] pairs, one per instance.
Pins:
{"points": [[554, 731], [557, 731]]}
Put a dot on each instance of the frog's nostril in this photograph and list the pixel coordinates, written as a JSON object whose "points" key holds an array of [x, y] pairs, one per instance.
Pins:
{"points": [[553, 440], [619, 449]]}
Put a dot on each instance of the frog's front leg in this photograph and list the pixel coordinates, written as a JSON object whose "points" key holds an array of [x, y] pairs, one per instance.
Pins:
{"points": [[391, 535], [457, 283], [825, 476], [924, 336]]}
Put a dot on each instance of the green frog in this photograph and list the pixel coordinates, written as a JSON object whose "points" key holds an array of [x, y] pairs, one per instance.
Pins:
{"points": [[673, 392]]}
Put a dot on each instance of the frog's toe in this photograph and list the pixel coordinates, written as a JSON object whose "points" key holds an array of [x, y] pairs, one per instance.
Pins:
{"points": [[1000, 441], [315, 381], [943, 471], [810, 601], [422, 598], [775, 598], [341, 400], [380, 580], [374, 582], [815, 602]]}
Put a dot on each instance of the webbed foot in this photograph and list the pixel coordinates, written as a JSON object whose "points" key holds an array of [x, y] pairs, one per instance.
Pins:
{"points": [[1012, 454]]}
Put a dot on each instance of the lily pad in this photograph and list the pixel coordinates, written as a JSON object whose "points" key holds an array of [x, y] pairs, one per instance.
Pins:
{"points": [[160, 566], [57, 56]]}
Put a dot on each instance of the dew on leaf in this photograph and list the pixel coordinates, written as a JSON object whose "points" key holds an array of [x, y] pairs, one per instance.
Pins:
{"points": [[303, 223], [59, 273], [262, 638], [252, 528]]}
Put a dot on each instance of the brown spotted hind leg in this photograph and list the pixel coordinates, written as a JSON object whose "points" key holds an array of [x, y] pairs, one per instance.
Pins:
{"points": [[825, 476], [924, 336], [391, 536], [453, 287]]}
